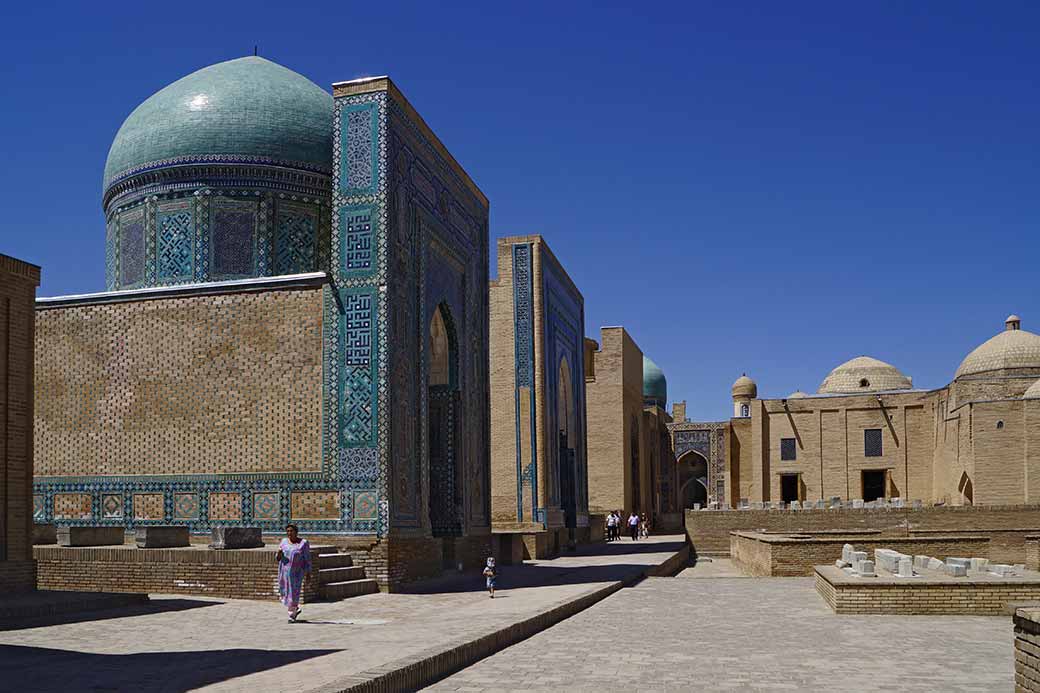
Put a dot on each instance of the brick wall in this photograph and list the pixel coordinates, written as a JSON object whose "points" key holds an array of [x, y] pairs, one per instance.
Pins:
{"points": [[233, 574], [1027, 649], [708, 530], [764, 555], [973, 598], [18, 282], [150, 386]]}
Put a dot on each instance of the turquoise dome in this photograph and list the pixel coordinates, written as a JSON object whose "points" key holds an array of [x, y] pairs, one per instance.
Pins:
{"points": [[655, 387], [248, 110]]}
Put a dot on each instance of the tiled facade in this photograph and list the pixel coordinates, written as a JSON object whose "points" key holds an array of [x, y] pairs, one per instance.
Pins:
{"points": [[18, 282], [538, 431], [249, 397]]}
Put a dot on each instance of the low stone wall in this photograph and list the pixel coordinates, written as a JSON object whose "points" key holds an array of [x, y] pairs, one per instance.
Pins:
{"points": [[917, 596], [792, 555], [17, 577], [1027, 649], [234, 574], [708, 530]]}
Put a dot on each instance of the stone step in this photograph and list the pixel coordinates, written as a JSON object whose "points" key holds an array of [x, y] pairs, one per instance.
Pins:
{"points": [[323, 549], [349, 588], [334, 560], [329, 575]]}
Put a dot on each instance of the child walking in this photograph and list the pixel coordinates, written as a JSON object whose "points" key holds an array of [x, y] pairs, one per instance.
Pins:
{"points": [[490, 574]]}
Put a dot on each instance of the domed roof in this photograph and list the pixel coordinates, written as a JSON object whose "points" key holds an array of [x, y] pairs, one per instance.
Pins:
{"points": [[244, 110], [1033, 392], [654, 384], [864, 374], [797, 394], [744, 387], [1012, 348]]}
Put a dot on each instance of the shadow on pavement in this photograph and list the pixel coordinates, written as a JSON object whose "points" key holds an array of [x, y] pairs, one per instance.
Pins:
{"points": [[46, 669], [546, 573], [156, 606]]}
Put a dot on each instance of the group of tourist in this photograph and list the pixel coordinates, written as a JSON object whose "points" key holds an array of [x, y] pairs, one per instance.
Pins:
{"points": [[638, 525]]}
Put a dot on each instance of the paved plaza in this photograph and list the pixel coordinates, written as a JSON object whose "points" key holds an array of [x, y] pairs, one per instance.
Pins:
{"points": [[187, 643], [722, 633]]}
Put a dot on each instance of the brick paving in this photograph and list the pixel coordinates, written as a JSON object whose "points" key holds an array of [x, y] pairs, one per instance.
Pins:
{"points": [[718, 633], [187, 643]]}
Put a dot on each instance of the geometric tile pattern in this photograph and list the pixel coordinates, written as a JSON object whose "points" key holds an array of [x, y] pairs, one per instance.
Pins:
{"points": [[356, 227], [181, 386], [39, 507], [266, 505], [225, 506], [358, 387], [315, 505], [232, 237], [185, 506], [149, 506], [358, 173], [112, 506], [523, 327], [73, 506], [131, 248], [295, 240], [175, 229], [365, 505]]}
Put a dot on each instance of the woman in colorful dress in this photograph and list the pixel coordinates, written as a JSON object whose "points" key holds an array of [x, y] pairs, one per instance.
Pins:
{"points": [[294, 559]]}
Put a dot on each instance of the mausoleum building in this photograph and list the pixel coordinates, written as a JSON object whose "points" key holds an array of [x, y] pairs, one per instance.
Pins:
{"points": [[295, 327]]}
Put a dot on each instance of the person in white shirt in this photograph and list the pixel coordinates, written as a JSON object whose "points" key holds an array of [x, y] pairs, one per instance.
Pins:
{"points": [[633, 525]]}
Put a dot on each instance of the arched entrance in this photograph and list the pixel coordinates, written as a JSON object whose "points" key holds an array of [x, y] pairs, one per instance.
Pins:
{"points": [[567, 418], [693, 479], [443, 391]]}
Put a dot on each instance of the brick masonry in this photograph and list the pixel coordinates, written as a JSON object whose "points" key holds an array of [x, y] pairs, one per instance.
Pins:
{"points": [[1005, 526], [221, 384], [1027, 650], [232, 574], [18, 282], [765, 555], [922, 596]]}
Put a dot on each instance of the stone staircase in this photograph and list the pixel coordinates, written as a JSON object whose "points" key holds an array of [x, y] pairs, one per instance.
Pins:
{"points": [[338, 577]]}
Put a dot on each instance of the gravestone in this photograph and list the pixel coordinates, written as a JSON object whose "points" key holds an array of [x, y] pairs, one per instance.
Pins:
{"points": [[90, 536], [956, 570], [979, 563], [906, 567], [936, 564], [236, 538], [162, 537]]}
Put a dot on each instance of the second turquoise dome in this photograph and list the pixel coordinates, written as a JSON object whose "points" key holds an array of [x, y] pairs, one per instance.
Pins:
{"points": [[248, 109], [655, 387]]}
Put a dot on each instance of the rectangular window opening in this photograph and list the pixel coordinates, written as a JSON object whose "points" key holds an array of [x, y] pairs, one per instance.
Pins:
{"points": [[788, 449], [872, 442]]}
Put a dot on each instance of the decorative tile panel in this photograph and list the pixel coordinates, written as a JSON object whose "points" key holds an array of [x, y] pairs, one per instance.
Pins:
{"points": [[112, 506], [175, 240], [358, 388], [185, 506], [232, 239], [365, 505], [356, 224], [149, 506], [359, 135], [73, 506], [315, 505], [39, 507], [266, 505], [295, 241], [132, 251], [225, 506]]}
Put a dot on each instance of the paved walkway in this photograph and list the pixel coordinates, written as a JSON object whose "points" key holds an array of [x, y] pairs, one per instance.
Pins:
{"points": [[746, 634], [186, 643]]}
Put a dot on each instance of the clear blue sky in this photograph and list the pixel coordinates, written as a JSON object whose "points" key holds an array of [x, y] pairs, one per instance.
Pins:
{"points": [[763, 187]]}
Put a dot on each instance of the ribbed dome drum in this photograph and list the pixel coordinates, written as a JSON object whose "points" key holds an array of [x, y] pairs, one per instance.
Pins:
{"points": [[224, 174], [655, 387]]}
